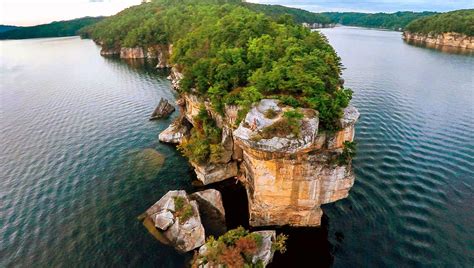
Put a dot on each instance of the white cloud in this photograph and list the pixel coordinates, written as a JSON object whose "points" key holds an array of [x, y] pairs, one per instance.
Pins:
{"points": [[30, 12]]}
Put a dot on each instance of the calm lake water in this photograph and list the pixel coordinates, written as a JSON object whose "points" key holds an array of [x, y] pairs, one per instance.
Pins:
{"points": [[80, 160]]}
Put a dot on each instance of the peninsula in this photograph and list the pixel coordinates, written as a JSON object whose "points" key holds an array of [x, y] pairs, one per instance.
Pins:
{"points": [[261, 102]]}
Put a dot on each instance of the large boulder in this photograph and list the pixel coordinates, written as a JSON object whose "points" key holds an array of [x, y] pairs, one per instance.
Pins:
{"points": [[164, 109], [178, 219], [211, 210]]}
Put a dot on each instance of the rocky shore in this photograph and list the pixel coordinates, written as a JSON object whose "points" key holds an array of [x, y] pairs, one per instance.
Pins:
{"points": [[451, 39], [287, 177]]}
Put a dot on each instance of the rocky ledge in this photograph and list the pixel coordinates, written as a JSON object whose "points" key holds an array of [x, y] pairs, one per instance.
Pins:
{"points": [[450, 39], [287, 177]]}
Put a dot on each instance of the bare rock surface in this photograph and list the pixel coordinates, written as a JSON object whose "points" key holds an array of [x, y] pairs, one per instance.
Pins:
{"points": [[164, 109], [256, 121], [211, 210], [176, 131], [265, 252], [184, 236]]}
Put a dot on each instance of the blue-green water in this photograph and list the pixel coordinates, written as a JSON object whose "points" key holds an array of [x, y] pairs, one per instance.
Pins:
{"points": [[76, 171], [73, 178]]}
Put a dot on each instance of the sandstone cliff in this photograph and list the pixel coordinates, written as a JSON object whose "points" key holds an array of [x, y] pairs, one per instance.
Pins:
{"points": [[450, 39], [287, 178]]}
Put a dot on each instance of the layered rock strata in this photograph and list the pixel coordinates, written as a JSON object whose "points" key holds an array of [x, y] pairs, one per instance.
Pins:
{"points": [[450, 39], [287, 178]]}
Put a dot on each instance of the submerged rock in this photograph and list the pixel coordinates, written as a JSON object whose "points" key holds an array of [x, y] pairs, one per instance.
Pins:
{"points": [[146, 163], [163, 110]]}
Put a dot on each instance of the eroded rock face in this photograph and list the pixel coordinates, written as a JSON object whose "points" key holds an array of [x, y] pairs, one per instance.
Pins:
{"points": [[211, 210], [288, 179], [176, 131], [184, 236], [212, 173], [132, 53], [164, 109], [450, 39]]}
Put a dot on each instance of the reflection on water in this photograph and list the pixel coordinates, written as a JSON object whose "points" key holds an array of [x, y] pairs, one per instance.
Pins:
{"points": [[445, 49], [412, 202]]}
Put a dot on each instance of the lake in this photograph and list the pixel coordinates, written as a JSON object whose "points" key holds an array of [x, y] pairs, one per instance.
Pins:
{"points": [[80, 161]]}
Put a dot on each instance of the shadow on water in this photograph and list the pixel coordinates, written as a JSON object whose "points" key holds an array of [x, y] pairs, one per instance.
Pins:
{"points": [[305, 246]]}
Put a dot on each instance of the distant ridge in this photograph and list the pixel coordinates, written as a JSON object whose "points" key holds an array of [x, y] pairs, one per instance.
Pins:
{"points": [[53, 29], [6, 28]]}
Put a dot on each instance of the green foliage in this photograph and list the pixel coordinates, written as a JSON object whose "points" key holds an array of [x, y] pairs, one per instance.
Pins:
{"points": [[231, 54], [235, 248], [393, 21], [348, 153], [280, 243], [204, 144], [270, 114], [460, 21], [183, 209], [289, 124], [297, 15], [53, 29]]}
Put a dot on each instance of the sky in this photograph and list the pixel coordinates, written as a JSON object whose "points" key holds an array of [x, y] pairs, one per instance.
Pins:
{"points": [[33, 12]]}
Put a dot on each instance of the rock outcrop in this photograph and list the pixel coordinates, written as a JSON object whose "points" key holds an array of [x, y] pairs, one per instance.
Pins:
{"points": [[265, 252], [211, 210], [176, 131], [450, 39], [289, 178], [183, 221], [132, 53], [261, 258], [164, 109], [184, 235], [106, 52]]}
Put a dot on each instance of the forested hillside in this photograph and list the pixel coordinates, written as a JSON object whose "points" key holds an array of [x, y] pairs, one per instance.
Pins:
{"points": [[392, 21], [459, 21], [5, 28], [234, 55], [54, 29], [299, 15]]}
